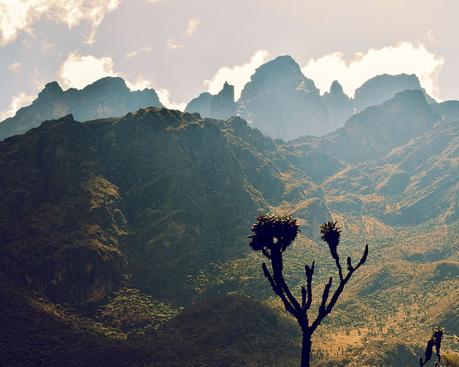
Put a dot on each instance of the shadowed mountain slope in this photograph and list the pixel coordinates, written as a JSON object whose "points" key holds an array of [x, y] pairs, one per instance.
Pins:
{"points": [[236, 331], [165, 192]]}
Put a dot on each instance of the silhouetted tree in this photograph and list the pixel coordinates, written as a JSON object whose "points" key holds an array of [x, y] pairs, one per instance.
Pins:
{"points": [[434, 341], [272, 235]]}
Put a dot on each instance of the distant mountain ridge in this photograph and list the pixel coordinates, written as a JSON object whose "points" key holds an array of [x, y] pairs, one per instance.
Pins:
{"points": [[283, 103], [107, 97], [279, 100]]}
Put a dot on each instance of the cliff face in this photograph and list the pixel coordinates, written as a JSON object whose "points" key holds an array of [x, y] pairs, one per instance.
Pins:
{"points": [[107, 97]]}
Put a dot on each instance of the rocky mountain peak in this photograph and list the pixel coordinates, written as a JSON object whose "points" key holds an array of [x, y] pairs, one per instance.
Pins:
{"points": [[219, 106], [107, 84], [52, 89], [283, 72], [106, 97], [336, 88]]}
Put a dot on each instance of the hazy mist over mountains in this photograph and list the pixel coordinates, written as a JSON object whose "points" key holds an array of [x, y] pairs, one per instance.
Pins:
{"points": [[279, 100], [127, 209]]}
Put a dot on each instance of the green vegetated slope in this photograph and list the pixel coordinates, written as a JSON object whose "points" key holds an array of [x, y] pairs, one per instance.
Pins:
{"points": [[130, 222]]}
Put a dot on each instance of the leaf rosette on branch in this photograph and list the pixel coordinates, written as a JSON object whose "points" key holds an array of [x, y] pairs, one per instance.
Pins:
{"points": [[272, 232]]}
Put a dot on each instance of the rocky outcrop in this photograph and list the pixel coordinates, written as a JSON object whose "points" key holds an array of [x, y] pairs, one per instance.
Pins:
{"points": [[107, 97], [339, 105], [220, 106], [281, 102]]}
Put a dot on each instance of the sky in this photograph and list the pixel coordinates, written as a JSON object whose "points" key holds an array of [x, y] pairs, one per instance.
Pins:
{"points": [[184, 47]]}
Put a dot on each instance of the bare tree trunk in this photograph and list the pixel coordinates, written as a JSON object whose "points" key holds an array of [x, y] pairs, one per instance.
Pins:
{"points": [[306, 349]]}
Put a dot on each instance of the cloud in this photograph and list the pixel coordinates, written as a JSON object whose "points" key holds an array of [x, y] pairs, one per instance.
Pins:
{"points": [[132, 54], [21, 100], [192, 27], [237, 75], [172, 44], [20, 16], [78, 71], [165, 98], [163, 94], [15, 67], [404, 57]]}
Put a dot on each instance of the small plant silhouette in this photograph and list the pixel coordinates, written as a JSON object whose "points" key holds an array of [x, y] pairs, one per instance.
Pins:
{"points": [[434, 341], [272, 235]]}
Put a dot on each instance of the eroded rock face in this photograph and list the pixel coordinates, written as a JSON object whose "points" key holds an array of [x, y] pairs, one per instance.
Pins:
{"points": [[107, 97]]}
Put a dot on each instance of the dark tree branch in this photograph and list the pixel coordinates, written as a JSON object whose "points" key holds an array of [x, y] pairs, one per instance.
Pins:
{"points": [[325, 295], [309, 271], [277, 265], [325, 310], [303, 297], [266, 253], [278, 290], [338, 265]]}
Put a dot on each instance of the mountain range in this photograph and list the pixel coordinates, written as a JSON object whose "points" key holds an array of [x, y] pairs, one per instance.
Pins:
{"points": [[278, 100], [106, 97], [123, 239]]}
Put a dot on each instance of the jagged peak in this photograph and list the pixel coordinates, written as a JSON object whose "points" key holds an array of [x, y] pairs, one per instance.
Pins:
{"points": [[51, 89], [336, 88], [227, 90]]}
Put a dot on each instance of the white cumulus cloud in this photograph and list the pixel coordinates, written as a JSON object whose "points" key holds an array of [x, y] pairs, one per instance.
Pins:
{"points": [[18, 16], [192, 27], [15, 67], [16, 102], [78, 71], [404, 57], [237, 75], [165, 98], [135, 53], [172, 44]]}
